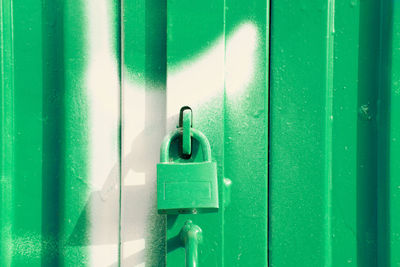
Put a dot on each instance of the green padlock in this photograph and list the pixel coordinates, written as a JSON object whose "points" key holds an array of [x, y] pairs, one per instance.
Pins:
{"points": [[186, 187]]}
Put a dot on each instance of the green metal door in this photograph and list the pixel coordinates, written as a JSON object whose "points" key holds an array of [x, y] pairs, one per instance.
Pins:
{"points": [[213, 57], [300, 102]]}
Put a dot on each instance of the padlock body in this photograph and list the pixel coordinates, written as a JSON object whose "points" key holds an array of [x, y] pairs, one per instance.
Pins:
{"points": [[187, 187]]}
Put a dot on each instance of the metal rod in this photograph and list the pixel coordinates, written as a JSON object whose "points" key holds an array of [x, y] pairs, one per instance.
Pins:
{"points": [[191, 235]]}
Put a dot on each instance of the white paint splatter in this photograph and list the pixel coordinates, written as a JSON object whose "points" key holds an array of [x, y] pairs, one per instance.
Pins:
{"points": [[103, 97], [193, 83], [240, 58], [144, 125]]}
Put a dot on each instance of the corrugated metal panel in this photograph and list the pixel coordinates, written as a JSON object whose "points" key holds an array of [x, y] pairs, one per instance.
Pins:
{"points": [[212, 56], [89, 89], [333, 149], [389, 133], [60, 119], [143, 129]]}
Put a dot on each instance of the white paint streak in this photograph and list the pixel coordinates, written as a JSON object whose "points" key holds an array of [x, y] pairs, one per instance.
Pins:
{"points": [[240, 58], [130, 248], [143, 130], [145, 113], [98, 258], [192, 84], [135, 178], [103, 97], [197, 81]]}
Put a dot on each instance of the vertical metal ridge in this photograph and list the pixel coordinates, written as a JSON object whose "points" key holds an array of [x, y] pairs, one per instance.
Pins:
{"points": [[395, 136], [344, 136], [389, 136], [367, 130], [53, 127], [143, 32], [223, 151], [329, 127], [7, 130], [267, 122], [383, 252], [246, 133], [301, 152], [121, 122]]}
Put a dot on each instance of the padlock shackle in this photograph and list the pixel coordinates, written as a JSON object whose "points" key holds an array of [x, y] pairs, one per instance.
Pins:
{"points": [[205, 144]]}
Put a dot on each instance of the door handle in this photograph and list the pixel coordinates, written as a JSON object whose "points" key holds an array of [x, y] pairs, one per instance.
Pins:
{"points": [[192, 236]]}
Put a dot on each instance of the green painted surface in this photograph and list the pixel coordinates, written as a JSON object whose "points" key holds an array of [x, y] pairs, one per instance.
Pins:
{"points": [[389, 134], [344, 134], [246, 141], [48, 141], [7, 132], [144, 42], [45, 130], [395, 137], [334, 129], [74, 183], [300, 176], [191, 26], [186, 187], [333, 134], [191, 235], [143, 70], [237, 235]]}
